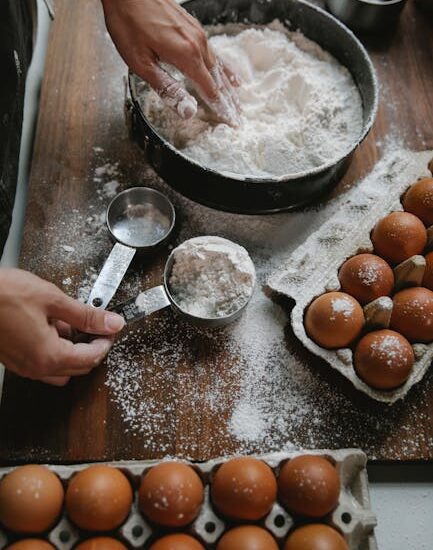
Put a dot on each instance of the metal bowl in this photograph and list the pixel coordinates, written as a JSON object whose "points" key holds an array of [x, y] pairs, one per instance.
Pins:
{"points": [[128, 201], [206, 322], [252, 195], [367, 15]]}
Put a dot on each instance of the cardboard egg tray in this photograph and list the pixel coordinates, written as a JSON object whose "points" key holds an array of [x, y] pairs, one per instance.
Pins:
{"points": [[313, 267], [353, 516]]}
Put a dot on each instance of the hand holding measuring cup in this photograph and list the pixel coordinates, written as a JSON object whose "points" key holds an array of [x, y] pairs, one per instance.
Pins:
{"points": [[36, 322], [150, 32]]}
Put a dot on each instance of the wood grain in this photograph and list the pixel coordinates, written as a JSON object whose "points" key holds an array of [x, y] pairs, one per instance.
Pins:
{"points": [[82, 108]]}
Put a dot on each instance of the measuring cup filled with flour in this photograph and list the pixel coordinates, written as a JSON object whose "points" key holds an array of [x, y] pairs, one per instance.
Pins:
{"points": [[208, 280]]}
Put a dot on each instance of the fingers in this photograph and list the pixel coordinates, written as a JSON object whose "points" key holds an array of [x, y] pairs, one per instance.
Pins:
{"points": [[196, 70], [223, 71], [63, 329], [226, 107], [230, 74], [198, 62], [64, 360], [171, 91], [84, 317], [53, 380], [80, 359], [211, 87]]}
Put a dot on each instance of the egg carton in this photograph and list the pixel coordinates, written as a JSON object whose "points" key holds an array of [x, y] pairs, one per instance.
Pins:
{"points": [[312, 268], [353, 516]]}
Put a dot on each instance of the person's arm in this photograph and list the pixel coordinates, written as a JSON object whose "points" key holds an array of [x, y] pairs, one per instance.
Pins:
{"points": [[36, 320], [147, 32]]}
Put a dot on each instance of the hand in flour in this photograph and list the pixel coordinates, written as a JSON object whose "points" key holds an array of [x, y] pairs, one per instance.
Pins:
{"points": [[36, 319], [147, 32]]}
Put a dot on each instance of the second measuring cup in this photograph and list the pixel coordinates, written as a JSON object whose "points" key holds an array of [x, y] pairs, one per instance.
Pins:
{"points": [[161, 296], [139, 219]]}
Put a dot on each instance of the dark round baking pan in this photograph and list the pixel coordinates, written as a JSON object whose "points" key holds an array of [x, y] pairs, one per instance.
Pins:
{"points": [[250, 195]]}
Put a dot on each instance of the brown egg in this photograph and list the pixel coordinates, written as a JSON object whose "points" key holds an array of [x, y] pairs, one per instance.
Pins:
{"points": [[366, 277], [309, 486], [247, 537], [384, 359], [177, 542], [31, 499], [99, 498], [101, 543], [399, 236], [31, 544], [334, 320], [315, 536], [244, 488], [419, 200], [171, 494], [412, 314], [427, 281]]}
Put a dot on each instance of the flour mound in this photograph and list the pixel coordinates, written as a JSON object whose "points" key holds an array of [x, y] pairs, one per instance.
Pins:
{"points": [[211, 277], [300, 108]]}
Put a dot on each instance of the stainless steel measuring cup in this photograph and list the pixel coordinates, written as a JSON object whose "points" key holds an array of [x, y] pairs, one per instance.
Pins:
{"points": [[160, 297], [139, 219]]}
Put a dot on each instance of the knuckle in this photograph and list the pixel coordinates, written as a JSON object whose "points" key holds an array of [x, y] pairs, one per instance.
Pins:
{"points": [[56, 297], [54, 290], [143, 69], [144, 64], [90, 318]]}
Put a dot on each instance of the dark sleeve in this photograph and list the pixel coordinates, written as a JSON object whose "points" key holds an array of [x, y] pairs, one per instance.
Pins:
{"points": [[15, 55]]}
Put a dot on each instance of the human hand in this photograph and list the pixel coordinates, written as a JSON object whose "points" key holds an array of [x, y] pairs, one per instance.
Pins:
{"points": [[147, 32], [36, 321]]}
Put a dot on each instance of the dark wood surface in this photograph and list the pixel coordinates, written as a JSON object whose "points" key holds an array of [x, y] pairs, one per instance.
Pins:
{"points": [[82, 108]]}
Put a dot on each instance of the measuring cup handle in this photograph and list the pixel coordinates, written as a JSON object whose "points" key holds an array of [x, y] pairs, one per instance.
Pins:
{"points": [[144, 304], [111, 275]]}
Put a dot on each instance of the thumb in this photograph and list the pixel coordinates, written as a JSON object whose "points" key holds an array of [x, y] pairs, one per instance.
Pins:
{"points": [[84, 317]]}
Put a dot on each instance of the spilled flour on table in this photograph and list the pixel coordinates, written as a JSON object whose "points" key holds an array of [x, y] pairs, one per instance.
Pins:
{"points": [[249, 387], [252, 369], [300, 108]]}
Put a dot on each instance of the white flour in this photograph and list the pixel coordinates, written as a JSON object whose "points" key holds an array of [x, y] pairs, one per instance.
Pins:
{"points": [[250, 387], [251, 382], [211, 277], [300, 108]]}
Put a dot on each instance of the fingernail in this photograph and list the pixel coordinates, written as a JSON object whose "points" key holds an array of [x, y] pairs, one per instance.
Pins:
{"points": [[113, 322], [102, 346], [105, 345]]}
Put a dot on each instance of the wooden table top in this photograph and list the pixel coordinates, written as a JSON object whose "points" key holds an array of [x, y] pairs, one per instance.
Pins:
{"points": [[81, 146]]}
